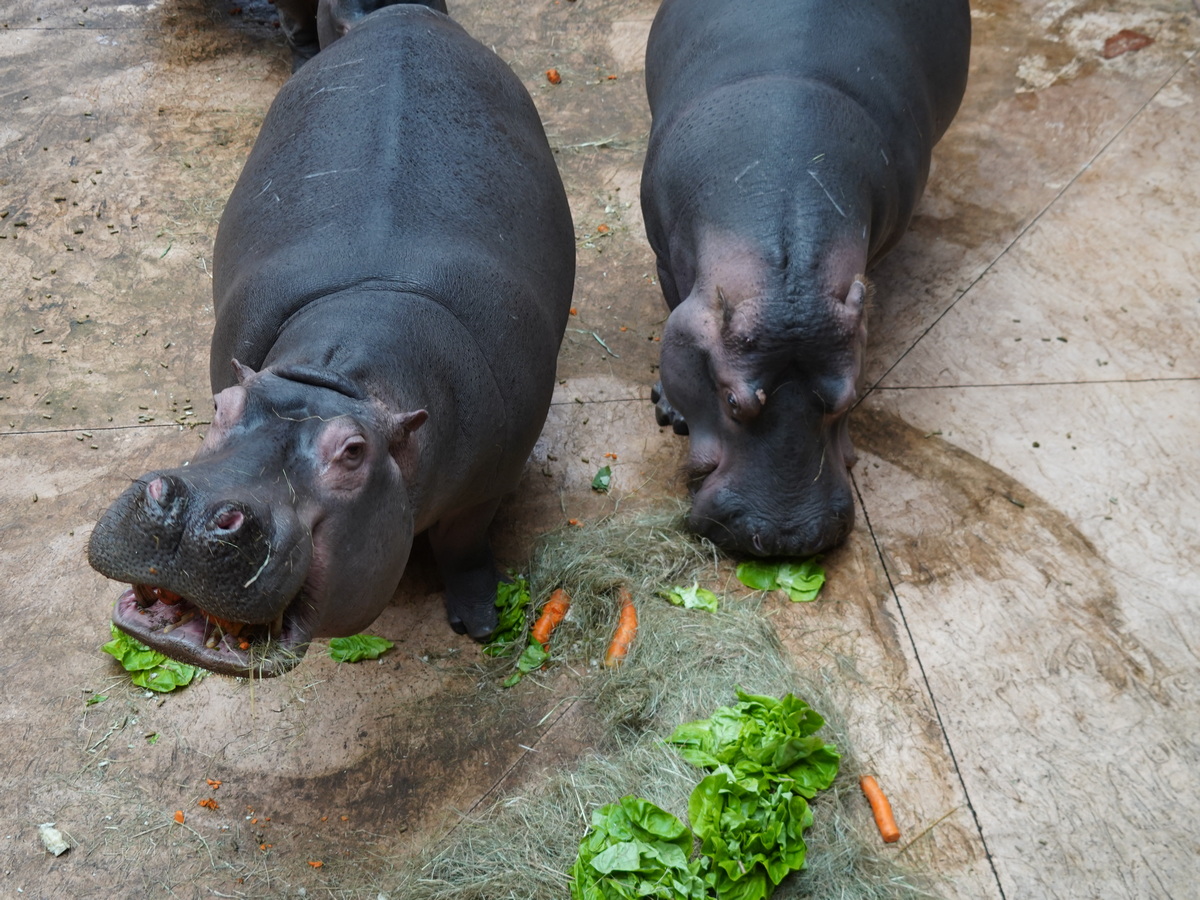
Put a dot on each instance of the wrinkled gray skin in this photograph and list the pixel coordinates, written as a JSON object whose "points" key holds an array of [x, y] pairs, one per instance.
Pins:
{"points": [[790, 143], [392, 277], [309, 25]]}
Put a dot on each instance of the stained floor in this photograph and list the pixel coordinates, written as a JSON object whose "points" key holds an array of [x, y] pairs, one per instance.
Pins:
{"points": [[1015, 613]]}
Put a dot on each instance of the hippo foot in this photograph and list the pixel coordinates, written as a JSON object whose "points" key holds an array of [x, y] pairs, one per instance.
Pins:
{"points": [[464, 557], [664, 412], [471, 603]]}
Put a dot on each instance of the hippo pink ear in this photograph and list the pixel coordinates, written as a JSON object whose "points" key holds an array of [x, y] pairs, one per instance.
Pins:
{"points": [[242, 372], [402, 425]]}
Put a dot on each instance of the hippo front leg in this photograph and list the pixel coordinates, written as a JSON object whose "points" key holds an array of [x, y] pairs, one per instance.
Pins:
{"points": [[464, 558]]}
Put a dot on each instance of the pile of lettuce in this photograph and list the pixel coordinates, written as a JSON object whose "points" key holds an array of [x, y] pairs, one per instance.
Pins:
{"points": [[764, 762]]}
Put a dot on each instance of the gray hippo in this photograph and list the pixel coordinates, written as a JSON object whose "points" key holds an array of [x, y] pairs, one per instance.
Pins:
{"points": [[392, 277], [309, 25], [790, 143]]}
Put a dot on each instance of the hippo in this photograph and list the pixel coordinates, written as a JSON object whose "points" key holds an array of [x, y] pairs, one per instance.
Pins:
{"points": [[790, 142], [309, 25], [392, 278]]}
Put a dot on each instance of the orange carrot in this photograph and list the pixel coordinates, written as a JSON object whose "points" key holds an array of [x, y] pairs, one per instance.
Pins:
{"points": [[552, 614], [881, 808], [179, 816], [552, 76], [626, 630]]}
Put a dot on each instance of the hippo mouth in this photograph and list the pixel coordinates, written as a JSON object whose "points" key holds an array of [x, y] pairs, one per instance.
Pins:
{"points": [[178, 628]]}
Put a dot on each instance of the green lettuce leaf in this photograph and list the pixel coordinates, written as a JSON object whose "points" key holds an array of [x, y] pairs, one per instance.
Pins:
{"points": [[694, 597], [358, 647], [603, 480], [800, 580], [148, 668], [533, 657], [765, 761], [637, 850], [512, 599]]}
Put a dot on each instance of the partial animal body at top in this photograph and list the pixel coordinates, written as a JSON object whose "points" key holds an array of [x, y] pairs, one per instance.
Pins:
{"points": [[310, 25], [791, 141], [392, 278]]}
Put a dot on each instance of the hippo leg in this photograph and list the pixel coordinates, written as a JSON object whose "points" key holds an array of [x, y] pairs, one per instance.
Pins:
{"points": [[664, 412], [464, 559]]}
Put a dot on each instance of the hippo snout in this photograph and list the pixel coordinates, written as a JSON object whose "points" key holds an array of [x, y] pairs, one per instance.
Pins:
{"points": [[745, 526]]}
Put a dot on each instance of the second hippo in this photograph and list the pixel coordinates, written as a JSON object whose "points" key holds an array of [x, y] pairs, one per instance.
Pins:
{"points": [[392, 277], [790, 143]]}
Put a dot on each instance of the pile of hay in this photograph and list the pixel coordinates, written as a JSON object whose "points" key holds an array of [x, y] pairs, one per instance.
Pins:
{"points": [[684, 664]]}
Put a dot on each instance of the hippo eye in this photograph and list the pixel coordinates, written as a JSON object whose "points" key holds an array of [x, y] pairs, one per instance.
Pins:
{"points": [[353, 452], [732, 400]]}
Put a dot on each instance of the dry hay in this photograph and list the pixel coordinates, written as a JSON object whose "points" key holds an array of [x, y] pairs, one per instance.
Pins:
{"points": [[684, 664]]}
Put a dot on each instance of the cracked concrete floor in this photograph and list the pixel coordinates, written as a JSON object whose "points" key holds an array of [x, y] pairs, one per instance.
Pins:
{"points": [[1019, 596]]}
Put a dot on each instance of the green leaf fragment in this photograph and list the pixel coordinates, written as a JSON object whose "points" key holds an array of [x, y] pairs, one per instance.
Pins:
{"points": [[95, 698], [358, 647], [603, 480], [694, 597], [147, 668]]}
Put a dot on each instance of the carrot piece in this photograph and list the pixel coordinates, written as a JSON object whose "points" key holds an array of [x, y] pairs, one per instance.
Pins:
{"points": [[626, 630], [552, 615], [884, 820], [179, 816], [552, 76]]}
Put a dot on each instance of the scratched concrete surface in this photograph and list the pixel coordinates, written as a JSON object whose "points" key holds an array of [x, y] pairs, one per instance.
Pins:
{"points": [[1015, 611]]}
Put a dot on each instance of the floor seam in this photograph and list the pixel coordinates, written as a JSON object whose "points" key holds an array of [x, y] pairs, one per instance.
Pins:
{"points": [[929, 689], [1032, 222], [1033, 384]]}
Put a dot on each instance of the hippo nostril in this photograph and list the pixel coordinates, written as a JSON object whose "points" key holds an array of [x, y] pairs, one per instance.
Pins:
{"points": [[229, 520], [756, 541], [156, 490]]}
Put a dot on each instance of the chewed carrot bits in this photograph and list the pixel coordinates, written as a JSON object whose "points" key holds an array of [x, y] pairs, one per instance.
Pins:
{"points": [[208, 803], [213, 783], [552, 76], [602, 229], [345, 818], [179, 816], [315, 863]]}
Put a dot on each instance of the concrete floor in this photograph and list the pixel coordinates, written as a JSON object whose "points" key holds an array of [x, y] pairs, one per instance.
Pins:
{"points": [[1018, 601]]}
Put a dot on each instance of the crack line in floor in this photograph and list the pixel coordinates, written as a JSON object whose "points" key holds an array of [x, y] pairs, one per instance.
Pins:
{"points": [[1032, 222], [928, 688]]}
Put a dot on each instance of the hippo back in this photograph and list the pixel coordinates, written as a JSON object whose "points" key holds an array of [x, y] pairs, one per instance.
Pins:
{"points": [[378, 165]]}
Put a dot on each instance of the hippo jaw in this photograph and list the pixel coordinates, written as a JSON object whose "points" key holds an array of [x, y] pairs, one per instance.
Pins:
{"points": [[172, 625]]}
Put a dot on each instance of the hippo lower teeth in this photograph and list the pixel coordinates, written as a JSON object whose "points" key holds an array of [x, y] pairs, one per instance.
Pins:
{"points": [[182, 620]]}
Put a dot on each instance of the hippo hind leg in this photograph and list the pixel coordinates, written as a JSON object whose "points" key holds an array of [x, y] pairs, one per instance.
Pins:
{"points": [[664, 413], [468, 569]]}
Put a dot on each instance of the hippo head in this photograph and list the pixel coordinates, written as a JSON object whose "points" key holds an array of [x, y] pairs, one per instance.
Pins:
{"points": [[292, 521], [765, 389], [336, 17]]}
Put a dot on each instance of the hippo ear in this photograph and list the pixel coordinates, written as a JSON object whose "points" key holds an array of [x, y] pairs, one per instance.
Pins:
{"points": [[242, 372], [401, 426], [854, 304]]}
